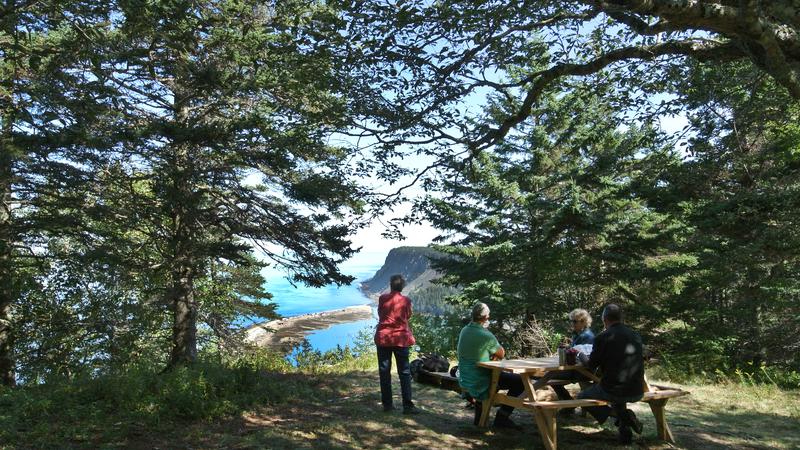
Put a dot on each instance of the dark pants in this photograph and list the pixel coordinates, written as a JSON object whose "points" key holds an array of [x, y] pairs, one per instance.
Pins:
{"points": [[618, 404], [510, 381], [403, 371], [570, 375]]}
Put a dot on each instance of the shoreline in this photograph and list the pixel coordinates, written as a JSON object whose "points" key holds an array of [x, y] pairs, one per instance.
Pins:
{"points": [[285, 333]]}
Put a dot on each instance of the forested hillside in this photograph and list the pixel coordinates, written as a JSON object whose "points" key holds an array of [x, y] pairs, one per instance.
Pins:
{"points": [[415, 264]]}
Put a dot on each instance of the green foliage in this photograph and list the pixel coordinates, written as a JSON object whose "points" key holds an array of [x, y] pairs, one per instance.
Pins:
{"points": [[156, 146], [141, 398], [360, 355], [433, 299], [558, 217], [710, 367], [437, 333], [739, 193]]}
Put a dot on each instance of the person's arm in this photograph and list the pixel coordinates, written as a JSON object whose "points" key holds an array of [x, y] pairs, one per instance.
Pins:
{"points": [[596, 357], [499, 354]]}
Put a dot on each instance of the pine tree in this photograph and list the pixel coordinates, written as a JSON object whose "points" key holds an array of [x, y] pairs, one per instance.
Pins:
{"points": [[225, 109], [555, 217], [46, 111]]}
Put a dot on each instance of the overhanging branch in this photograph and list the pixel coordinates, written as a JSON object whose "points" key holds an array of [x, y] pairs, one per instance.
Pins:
{"points": [[540, 80]]}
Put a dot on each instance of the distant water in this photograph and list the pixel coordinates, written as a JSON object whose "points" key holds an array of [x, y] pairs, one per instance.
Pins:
{"points": [[300, 299]]}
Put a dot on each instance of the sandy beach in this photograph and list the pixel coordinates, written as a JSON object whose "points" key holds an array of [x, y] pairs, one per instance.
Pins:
{"points": [[283, 334]]}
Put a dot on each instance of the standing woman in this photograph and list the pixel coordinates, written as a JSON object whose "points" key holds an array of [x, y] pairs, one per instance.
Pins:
{"points": [[393, 336]]}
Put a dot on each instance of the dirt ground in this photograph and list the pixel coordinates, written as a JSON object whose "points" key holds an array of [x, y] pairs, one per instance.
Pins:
{"points": [[347, 415]]}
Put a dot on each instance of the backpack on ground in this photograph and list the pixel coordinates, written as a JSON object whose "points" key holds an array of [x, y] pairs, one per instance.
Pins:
{"points": [[434, 362]]}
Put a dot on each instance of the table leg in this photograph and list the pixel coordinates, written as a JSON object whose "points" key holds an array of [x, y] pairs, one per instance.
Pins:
{"points": [[546, 423], [487, 404], [530, 387], [664, 433]]}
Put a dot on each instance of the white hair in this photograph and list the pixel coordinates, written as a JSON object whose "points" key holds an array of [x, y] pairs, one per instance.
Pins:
{"points": [[480, 311]]}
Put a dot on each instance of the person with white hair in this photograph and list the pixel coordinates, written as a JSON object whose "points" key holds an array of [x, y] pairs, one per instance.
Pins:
{"points": [[477, 344], [580, 322]]}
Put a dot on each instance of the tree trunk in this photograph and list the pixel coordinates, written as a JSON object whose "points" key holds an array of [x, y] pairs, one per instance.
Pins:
{"points": [[6, 264], [184, 326], [181, 201], [7, 296], [183, 244]]}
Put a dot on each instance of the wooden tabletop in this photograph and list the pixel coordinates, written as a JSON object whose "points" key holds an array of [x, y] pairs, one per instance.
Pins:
{"points": [[532, 366]]}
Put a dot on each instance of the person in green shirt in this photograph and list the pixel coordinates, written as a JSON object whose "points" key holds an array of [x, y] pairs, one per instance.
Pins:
{"points": [[477, 344]]}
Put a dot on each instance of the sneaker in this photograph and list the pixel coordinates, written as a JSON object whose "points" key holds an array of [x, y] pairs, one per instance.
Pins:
{"points": [[634, 422], [505, 422], [411, 410]]}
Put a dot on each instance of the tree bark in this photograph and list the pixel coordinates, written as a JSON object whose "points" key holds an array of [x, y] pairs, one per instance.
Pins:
{"points": [[184, 326], [181, 201], [7, 297], [181, 289], [6, 265]]}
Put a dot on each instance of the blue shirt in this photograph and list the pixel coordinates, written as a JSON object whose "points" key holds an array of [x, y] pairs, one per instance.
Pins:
{"points": [[585, 337]]}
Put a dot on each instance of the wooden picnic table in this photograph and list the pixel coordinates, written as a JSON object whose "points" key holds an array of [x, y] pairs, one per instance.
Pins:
{"points": [[533, 373]]}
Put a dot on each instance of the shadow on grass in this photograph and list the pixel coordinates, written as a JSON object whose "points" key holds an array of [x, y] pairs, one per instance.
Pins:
{"points": [[343, 411], [351, 418]]}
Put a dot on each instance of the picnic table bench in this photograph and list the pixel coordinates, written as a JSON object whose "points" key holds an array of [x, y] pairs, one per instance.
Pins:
{"points": [[533, 373]]}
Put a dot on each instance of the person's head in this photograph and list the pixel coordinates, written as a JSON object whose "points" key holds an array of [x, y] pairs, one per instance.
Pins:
{"points": [[397, 283], [480, 313], [612, 314], [580, 319]]}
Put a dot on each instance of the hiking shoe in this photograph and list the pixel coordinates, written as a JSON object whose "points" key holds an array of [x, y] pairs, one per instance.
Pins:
{"points": [[412, 410], [389, 408], [505, 422], [634, 422]]}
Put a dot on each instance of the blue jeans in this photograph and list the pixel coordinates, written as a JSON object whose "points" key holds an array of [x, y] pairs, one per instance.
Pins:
{"points": [[403, 371], [618, 403]]}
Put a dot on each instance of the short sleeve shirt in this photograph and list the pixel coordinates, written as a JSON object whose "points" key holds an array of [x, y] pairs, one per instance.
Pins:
{"points": [[393, 330], [475, 344]]}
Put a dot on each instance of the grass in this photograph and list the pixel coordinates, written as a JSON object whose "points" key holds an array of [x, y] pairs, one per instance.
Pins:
{"points": [[338, 406]]}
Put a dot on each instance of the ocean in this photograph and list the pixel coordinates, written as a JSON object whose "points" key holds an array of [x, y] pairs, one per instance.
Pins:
{"points": [[300, 299]]}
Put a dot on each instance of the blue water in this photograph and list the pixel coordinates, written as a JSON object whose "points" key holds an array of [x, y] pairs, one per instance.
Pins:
{"points": [[300, 299]]}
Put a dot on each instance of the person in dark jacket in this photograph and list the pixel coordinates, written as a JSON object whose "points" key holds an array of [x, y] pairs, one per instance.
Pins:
{"points": [[617, 352]]}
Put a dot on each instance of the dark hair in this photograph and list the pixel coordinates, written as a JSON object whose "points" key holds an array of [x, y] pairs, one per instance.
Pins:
{"points": [[397, 282], [612, 313]]}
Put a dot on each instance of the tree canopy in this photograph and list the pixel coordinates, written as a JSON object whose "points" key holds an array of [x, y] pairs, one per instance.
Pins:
{"points": [[156, 155]]}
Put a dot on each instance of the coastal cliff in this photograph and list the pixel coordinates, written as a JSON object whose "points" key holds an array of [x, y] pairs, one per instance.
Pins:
{"points": [[415, 266], [411, 262]]}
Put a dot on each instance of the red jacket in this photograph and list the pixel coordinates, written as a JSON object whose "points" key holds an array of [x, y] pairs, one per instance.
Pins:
{"points": [[394, 310]]}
